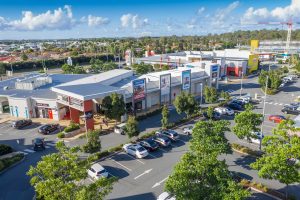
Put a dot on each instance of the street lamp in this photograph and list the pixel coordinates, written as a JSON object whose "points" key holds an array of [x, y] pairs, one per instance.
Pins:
{"points": [[241, 84], [201, 84], [264, 107]]}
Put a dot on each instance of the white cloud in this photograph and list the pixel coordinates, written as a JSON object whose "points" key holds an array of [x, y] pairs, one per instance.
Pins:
{"points": [[223, 14], [61, 18], [97, 21], [277, 14], [200, 10], [134, 21]]}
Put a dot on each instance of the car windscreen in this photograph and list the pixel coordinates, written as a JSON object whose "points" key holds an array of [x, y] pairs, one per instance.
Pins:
{"points": [[140, 149], [101, 172]]}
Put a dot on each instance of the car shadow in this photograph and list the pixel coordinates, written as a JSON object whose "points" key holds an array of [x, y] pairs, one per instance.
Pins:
{"points": [[123, 157], [32, 126], [245, 161], [154, 155], [116, 171]]}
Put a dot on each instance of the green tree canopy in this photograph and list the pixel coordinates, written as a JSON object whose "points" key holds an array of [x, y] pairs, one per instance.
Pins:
{"points": [[142, 68], [94, 143], [185, 102], [210, 94], [131, 127], [113, 106], [165, 116], [59, 176], [282, 150]]}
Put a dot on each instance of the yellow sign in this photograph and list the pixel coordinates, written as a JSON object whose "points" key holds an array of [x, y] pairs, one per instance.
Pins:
{"points": [[254, 45], [253, 63]]}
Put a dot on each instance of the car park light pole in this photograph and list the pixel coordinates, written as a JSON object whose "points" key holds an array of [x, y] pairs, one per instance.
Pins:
{"points": [[264, 108], [241, 84]]}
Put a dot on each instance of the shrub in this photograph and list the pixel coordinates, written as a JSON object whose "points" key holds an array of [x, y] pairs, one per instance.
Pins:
{"points": [[147, 135], [61, 135], [72, 127], [5, 149], [94, 142], [7, 162], [246, 150], [114, 149], [155, 112]]}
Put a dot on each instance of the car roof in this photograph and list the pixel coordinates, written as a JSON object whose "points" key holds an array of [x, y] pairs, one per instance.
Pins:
{"points": [[97, 167]]}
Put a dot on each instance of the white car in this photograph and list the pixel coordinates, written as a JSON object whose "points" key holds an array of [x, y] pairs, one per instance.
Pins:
{"points": [[135, 150], [224, 111], [259, 136], [165, 196], [188, 130], [97, 171]]}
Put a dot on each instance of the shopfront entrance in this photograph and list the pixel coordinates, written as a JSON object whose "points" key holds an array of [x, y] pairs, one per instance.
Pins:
{"points": [[43, 111]]}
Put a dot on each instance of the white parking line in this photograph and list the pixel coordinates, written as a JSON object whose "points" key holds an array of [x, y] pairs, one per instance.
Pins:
{"points": [[280, 104], [122, 165], [29, 150], [22, 152], [135, 158], [275, 103], [47, 147], [152, 155], [7, 125], [163, 150], [142, 174], [51, 144]]}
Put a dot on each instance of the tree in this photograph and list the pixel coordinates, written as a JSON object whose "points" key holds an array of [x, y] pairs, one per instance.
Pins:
{"points": [[165, 67], [67, 69], [208, 138], [210, 94], [113, 106], [2, 69], [274, 79], [203, 177], [210, 112], [131, 127], [94, 143], [225, 95], [142, 68], [109, 66], [282, 150], [24, 57], [59, 176], [78, 70], [165, 115], [185, 102], [246, 123]]}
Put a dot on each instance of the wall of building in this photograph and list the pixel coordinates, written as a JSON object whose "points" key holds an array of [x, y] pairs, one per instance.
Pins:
{"points": [[48, 106], [20, 107], [153, 99], [175, 90]]}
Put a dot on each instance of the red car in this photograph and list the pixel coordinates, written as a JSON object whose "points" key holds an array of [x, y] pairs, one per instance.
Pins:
{"points": [[276, 118]]}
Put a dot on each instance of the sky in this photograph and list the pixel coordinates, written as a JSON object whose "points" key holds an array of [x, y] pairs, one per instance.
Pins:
{"points": [[59, 19]]}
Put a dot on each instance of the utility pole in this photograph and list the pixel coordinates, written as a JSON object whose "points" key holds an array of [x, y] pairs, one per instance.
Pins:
{"points": [[241, 84], [264, 107]]}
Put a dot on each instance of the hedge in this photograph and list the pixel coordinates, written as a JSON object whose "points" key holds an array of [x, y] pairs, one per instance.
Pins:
{"points": [[60, 135], [34, 65], [72, 127], [149, 114], [5, 149], [7, 162]]}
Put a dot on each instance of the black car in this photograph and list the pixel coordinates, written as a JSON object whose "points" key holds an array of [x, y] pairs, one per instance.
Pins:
{"points": [[149, 144], [235, 106], [294, 110], [238, 102], [21, 123], [215, 116], [48, 128], [38, 144], [171, 134], [162, 140]]}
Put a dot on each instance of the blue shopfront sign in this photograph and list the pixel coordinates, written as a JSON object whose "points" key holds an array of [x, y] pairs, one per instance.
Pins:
{"points": [[214, 68]]}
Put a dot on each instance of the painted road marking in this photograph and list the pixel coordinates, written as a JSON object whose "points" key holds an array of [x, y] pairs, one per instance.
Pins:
{"points": [[7, 125], [163, 150], [122, 165], [47, 147], [29, 150], [275, 103], [22, 152], [51, 144], [152, 155], [160, 182], [280, 104], [145, 172], [135, 158]]}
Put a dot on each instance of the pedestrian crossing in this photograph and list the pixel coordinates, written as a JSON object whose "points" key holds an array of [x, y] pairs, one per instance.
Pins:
{"points": [[229, 91], [276, 103], [30, 151]]}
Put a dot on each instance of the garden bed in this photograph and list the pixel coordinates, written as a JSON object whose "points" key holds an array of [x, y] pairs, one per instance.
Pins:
{"points": [[5, 163]]}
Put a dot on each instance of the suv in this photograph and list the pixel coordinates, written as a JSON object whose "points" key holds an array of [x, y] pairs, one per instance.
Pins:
{"points": [[215, 116], [21, 123], [97, 171], [38, 143], [149, 144], [162, 140], [48, 128], [171, 134], [294, 110]]}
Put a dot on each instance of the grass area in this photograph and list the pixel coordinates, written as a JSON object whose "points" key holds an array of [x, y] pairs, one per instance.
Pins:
{"points": [[7, 162], [246, 150]]}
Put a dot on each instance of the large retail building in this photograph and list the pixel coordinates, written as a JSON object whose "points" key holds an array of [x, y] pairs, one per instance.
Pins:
{"points": [[72, 97]]}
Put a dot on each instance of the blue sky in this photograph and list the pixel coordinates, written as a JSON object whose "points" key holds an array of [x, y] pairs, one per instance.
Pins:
{"points": [[54, 19]]}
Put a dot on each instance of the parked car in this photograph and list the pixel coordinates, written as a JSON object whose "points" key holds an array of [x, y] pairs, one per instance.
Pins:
{"points": [[237, 101], [224, 111], [235, 106], [166, 196], [188, 130], [48, 128], [38, 144], [21, 123], [162, 140], [276, 118], [294, 110], [215, 115], [171, 134], [135, 150], [120, 129], [97, 171], [149, 144], [258, 137]]}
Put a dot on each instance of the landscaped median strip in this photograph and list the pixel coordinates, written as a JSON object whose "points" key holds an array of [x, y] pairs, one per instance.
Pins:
{"points": [[245, 150], [8, 162]]}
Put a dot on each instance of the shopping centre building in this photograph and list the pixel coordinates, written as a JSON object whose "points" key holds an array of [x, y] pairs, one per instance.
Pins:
{"points": [[78, 97]]}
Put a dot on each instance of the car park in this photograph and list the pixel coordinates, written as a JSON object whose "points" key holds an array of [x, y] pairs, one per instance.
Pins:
{"points": [[97, 171], [224, 111], [120, 128], [135, 150], [294, 110], [21, 123], [48, 128], [166, 196], [276, 118], [38, 144], [235, 106], [149, 144], [188, 130], [162, 140], [171, 134], [215, 115]]}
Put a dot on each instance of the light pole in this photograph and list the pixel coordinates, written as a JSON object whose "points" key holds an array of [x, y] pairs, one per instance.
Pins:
{"points": [[241, 84], [201, 84], [264, 106]]}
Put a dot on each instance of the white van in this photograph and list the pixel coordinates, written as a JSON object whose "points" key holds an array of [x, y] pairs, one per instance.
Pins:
{"points": [[120, 128]]}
